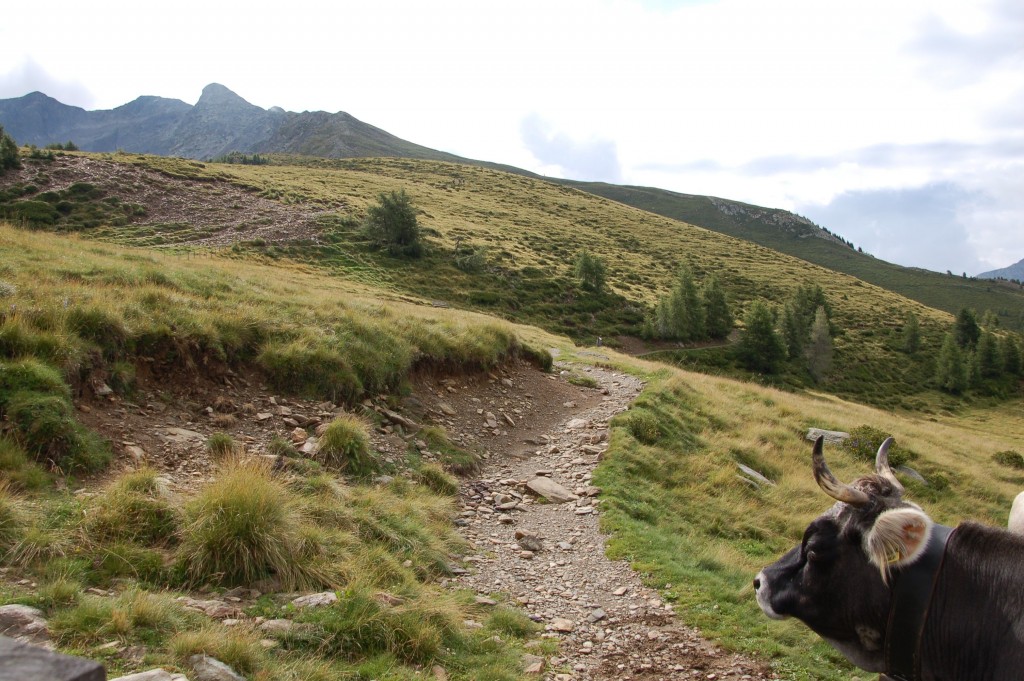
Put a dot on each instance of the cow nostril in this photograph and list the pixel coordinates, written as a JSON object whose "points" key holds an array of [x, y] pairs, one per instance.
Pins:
{"points": [[757, 583]]}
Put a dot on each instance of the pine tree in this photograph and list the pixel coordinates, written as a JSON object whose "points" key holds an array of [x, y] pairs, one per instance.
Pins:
{"points": [[950, 372], [717, 315], [760, 348], [680, 314], [391, 223], [793, 331], [966, 328], [911, 334], [590, 271], [1010, 352], [8, 152], [987, 356], [819, 349]]}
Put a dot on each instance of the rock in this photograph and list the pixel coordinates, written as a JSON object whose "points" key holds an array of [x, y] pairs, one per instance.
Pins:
{"points": [[299, 436], [20, 660], [533, 664], [181, 435], [278, 627], [152, 675], [211, 608], [317, 600], [24, 624], [576, 424], [550, 490], [506, 382], [508, 419], [833, 437], [398, 419], [483, 600], [529, 542], [438, 672], [207, 668], [264, 415], [562, 625], [388, 599], [446, 409], [138, 454], [597, 615]]}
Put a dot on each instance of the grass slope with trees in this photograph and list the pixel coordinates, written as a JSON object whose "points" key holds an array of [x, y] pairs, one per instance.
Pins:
{"points": [[342, 312]]}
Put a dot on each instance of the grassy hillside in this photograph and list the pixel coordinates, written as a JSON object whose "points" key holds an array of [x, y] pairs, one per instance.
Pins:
{"points": [[497, 243], [786, 233]]}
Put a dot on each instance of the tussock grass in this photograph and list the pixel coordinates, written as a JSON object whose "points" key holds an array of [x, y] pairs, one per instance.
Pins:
{"points": [[246, 526], [458, 460], [345, 446], [436, 479], [12, 520], [18, 470], [134, 615], [222, 446], [133, 510]]}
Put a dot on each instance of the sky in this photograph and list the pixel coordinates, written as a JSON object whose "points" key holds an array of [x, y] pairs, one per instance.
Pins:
{"points": [[897, 125]]}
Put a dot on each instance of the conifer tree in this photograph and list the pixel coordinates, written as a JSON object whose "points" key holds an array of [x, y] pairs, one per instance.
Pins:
{"points": [[966, 328], [819, 349], [950, 373], [760, 348], [8, 152], [1010, 352], [911, 334], [987, 356], [717, 315], [590, 271], [793, 331]]}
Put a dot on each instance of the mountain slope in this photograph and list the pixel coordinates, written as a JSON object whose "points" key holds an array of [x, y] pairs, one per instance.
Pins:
{"points": [[1015, 271], [794, 235], [219, 123]]}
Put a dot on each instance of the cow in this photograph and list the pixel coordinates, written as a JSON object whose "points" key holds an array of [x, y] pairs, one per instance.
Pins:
{"points": [[898, 594]]}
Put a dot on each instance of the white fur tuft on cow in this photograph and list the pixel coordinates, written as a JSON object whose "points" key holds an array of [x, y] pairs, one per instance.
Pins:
{"points": [[1016, 523]]}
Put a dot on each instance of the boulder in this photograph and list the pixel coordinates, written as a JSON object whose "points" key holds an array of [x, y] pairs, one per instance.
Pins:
{"points": [[550, 490], [832, 437], [207, 668], [24, 624]]}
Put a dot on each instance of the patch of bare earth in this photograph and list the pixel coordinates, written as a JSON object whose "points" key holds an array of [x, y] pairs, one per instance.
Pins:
{"points": [[220, 212]]}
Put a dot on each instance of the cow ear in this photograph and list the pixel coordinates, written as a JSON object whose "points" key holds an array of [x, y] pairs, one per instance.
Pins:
{"points": [[898, 538]]}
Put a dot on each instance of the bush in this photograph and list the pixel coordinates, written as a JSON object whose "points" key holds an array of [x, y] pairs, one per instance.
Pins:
{"points": [[864, 442], [1009, 458], [8, 152], [246, 526], [644, 426], [345, 445]]}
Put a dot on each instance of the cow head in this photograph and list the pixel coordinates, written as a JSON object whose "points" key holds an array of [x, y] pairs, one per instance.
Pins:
{"points": [[836, 580]]}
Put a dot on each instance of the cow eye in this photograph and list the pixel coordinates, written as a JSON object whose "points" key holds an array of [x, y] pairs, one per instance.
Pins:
{"points": [[813, 556]]}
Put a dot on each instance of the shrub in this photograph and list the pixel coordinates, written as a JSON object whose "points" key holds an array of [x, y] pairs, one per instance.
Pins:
{"points": [[1010, 458], [246, 526], [435, 478], [864, 442], [345, 445], [644, 426], [590, 271]]}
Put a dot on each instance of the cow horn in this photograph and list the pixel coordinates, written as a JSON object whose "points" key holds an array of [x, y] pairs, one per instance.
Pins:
{"points": [[882, 465], [832, 487]]}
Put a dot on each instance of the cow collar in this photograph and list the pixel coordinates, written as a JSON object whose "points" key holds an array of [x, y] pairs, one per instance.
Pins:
{"points": [[911, 595]]}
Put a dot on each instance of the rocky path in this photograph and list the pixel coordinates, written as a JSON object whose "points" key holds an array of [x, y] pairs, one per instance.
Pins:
{"points": [[547, 554]]}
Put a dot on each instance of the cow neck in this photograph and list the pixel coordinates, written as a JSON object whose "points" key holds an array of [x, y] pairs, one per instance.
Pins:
{"points": [[911, 595]]}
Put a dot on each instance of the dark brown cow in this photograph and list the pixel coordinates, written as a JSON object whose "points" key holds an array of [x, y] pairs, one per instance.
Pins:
{"points": [[896, 593]]}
